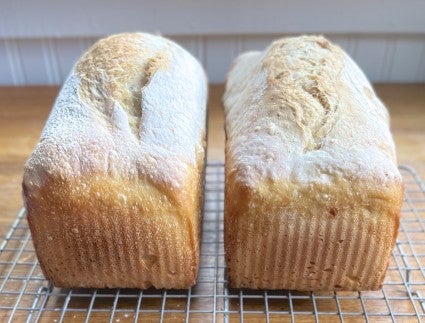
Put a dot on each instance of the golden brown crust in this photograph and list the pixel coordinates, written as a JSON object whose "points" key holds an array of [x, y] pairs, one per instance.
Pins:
{"points": [[100, 232], [313, 194], [304, 245]]}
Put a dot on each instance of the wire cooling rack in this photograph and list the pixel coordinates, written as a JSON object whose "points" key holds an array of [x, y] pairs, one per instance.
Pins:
{"points": [[26, 296]]}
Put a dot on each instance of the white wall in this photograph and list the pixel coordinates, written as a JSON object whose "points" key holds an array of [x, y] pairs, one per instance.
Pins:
{"points": [[40, 39]]}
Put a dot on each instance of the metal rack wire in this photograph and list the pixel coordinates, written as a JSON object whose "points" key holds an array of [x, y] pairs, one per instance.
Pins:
{"points": [[25, 295]]}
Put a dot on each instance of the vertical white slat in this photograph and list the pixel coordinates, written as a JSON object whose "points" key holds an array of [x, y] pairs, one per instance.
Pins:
{"points": [[6, 77], [421, 68], [14, 60], [219, 54], [387, 66], [47, 60], [51, 61], [32, 56], [408, 60]]}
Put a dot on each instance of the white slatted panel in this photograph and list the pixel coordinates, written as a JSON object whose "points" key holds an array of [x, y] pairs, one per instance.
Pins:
{"points": [[384, 58]]}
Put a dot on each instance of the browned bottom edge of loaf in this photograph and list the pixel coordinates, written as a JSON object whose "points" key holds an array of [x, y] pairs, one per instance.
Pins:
{"points": [[110, 246], [349, 253], [117, 257]]}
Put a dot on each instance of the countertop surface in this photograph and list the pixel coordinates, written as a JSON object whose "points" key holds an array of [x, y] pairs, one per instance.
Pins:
{"points": [[23, 111]]}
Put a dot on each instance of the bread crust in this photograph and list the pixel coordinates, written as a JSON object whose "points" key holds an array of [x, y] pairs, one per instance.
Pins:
{"points": [[113, 189], [313, 193]]}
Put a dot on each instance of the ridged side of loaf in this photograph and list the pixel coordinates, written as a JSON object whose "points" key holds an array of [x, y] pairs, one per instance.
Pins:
{"points": [[313, 193], [113, 188]]}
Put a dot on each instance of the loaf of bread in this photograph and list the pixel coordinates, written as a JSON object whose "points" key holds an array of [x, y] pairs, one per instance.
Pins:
{"points": [[113, 189], [313, 192]]}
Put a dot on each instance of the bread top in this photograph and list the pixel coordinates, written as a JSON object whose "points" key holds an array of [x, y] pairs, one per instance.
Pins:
{"points": [[302, 112], [133, 107]]}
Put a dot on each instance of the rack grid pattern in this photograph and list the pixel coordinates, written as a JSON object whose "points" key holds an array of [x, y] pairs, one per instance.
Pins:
{"points": [[26, 296]]}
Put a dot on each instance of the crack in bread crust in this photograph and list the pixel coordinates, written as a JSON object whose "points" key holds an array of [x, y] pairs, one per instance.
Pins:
{"points": [[308, 72], [115, 71]]}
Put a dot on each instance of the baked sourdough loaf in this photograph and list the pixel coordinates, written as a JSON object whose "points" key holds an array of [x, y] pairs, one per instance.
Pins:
{"points": [[113, 189], [313, 193]]}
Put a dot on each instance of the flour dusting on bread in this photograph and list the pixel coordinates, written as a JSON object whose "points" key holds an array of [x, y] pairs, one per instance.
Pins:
{"points": [[123, 102], [309, 97], [116, 69]]}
